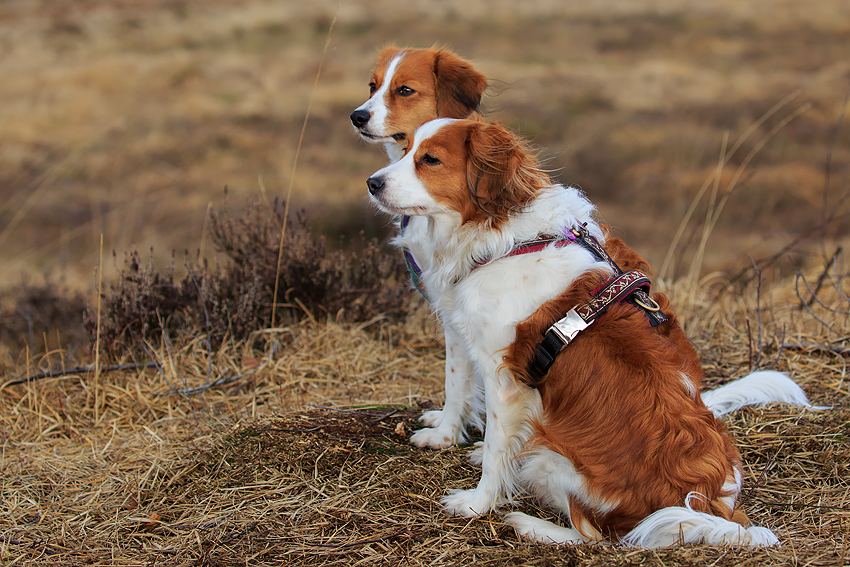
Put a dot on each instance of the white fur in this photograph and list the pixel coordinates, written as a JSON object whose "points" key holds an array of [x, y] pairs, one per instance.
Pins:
{"points": [[553, 479], [376, 128], [689, 386], [541, 531], [682, 525], [756, 389]]}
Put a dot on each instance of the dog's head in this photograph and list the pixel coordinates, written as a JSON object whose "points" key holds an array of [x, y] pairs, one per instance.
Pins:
{"points": [[482, 172], [412, 86]]}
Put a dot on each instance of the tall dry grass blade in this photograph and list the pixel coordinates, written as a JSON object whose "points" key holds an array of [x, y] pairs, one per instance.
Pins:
{"points": [[712, 219], [667, 266], [828, 169], [295, 165], [715, 187], [97, 332]]}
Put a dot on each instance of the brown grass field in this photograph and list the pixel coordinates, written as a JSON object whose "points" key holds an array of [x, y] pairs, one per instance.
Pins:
{"points": [[711, 135]]}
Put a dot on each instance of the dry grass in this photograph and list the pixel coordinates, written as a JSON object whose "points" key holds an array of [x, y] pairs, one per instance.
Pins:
{"points": [[302, 459]]}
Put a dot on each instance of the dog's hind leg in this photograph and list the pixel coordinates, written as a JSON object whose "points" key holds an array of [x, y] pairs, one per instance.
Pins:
{"points": [[556, 483], [542, 531]]}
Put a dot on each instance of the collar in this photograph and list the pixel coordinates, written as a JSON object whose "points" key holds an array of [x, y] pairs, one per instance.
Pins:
{"points": [[536, 244]]}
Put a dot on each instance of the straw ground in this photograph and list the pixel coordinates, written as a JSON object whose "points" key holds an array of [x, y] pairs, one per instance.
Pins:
{"points": [[299, 456]]}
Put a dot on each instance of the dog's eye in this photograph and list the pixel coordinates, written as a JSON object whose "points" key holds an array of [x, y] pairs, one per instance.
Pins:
{"points": [[429, 159], [404, 90], [372, 88]]}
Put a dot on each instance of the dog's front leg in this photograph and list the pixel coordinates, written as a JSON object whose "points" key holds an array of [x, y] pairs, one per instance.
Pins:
{"points": [[447, 427], [510, 409]]}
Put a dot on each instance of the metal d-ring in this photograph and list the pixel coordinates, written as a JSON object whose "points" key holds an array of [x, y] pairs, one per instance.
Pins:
{"points": [[653, 307]]}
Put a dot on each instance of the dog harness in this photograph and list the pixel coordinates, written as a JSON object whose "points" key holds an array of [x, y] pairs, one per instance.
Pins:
{"points": [[631, 287]]}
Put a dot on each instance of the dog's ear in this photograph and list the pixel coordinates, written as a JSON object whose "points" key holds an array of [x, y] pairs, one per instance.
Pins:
{"points": [[459, 87], [502, 174]]}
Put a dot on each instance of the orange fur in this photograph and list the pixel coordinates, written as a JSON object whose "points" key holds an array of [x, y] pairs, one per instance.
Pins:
{"points": [[445, 86], [500, 175], [614, 405]]}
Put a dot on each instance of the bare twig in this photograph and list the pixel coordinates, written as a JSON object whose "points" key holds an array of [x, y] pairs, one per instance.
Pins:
{"points": [[157, 365], [816, 346], [221, 381], [75, 370], [809, 309], [779, 350], [821, 277], [766, 468]]}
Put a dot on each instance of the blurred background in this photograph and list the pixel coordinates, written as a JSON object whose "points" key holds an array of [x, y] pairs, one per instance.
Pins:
{"points": [[127, 119]]}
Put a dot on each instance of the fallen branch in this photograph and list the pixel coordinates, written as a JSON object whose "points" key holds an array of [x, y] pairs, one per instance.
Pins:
{"points": [[76, 370], [816, 346]]}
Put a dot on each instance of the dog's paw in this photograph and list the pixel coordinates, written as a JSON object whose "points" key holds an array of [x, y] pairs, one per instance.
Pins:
{"points": [[431, 418], [436, 438], [541, 531], [469, 503], [477, 455]]}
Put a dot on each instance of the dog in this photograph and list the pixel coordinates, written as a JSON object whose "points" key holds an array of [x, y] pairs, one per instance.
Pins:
{"points": [[412, 86], [615, 433], [408, 88]]}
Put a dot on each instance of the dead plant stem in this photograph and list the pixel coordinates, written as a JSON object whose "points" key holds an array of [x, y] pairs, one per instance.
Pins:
{"points": [[294, 167]]}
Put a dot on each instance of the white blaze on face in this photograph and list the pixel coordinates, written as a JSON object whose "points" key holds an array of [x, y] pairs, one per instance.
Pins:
{"points": [[377, 104], [404, 192]]}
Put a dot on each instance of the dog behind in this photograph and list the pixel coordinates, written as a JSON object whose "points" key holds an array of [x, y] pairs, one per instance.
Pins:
{"points": [[412, 86]]}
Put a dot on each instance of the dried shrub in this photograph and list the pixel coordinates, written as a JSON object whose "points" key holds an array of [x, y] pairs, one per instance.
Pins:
{"points": [[42, 315], [234, 299]]}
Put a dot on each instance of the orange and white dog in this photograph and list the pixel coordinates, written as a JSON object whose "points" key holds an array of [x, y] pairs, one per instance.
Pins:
{"points": [[616, 435], [410, 87]]}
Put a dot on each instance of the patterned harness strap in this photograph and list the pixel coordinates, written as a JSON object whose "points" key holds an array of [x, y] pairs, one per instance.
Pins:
{"points": [[631, 287]]}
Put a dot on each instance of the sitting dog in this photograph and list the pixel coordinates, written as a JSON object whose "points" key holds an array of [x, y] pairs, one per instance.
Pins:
{"points": [[606, 426], [408, 88], [412, 86]]}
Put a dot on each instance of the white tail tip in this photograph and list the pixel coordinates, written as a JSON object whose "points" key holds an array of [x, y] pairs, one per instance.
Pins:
{"points": [[680, 525], [756, 389]]}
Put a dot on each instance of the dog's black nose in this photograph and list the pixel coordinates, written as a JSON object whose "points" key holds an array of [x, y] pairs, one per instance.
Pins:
{"points": [[375, 185], [360, 117]]}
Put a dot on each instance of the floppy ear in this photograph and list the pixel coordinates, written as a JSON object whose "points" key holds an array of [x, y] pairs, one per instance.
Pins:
{"points": [[459, 87], [502, 174]]}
